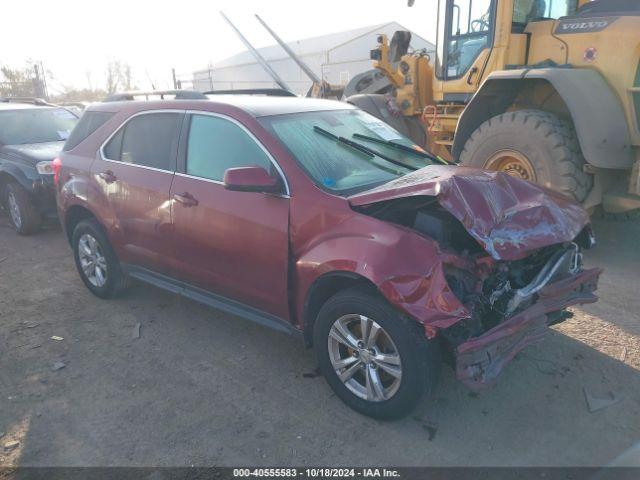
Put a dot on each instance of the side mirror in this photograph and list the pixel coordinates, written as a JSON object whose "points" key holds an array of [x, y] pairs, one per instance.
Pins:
{"points": [[251, 179]]}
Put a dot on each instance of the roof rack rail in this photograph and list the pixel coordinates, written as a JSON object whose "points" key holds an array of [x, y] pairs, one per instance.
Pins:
{"points": [[269, 92], [32, 100], [177, 94]]}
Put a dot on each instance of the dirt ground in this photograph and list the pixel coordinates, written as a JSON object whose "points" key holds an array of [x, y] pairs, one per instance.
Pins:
{"points": [[199, 387]]}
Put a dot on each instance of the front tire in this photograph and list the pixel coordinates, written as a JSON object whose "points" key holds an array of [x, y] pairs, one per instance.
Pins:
{"points": [[24, 217], [96, 261], [533, 145], [376, 360]]}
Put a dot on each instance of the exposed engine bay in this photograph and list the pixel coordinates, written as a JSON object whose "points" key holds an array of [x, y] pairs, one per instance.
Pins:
{"points": [[509, 288]]}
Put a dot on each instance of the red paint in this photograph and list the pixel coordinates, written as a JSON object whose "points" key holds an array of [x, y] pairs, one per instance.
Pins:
{"points": [[268, 250]]}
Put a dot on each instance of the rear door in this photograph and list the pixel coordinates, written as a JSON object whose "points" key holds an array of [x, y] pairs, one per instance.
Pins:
{"points": [[134, 171], [231, 243]]}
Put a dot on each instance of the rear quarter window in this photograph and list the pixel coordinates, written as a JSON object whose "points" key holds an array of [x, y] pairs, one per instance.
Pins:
{"points": [[89, 123], [149, 140]]}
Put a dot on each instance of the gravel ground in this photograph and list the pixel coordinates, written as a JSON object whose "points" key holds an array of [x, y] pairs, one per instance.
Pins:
{"points": [[199, 387]]}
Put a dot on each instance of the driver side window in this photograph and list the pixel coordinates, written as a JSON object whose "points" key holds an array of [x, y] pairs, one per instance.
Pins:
{"points": [[216, 144], [470, 26]]}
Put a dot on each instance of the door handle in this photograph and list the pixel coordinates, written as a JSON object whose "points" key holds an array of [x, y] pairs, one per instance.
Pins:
{"points": [[108, 176], [185, 199]]}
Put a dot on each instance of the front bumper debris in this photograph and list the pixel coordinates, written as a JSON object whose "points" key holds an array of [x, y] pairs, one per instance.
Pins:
{"points": [[480, 360]]}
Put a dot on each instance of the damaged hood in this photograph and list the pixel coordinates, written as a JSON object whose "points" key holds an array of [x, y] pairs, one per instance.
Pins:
{"points": [[508, 216]]}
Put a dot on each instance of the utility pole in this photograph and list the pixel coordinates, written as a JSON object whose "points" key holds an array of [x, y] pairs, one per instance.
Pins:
{"points": [[175, 82]]}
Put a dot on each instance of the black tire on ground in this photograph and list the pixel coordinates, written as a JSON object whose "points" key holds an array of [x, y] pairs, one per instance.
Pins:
{"points": [[546, 141], [27, 219], [116, 281], [420, 358]]}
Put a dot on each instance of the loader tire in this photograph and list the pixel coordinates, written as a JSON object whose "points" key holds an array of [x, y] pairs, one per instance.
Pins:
{"points": [[533, 145]]}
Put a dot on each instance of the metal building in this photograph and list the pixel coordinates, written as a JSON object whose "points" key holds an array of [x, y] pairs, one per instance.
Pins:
{"points": [[335, 57]]}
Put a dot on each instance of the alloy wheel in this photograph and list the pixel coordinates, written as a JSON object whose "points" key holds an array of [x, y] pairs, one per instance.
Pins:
{"points": [[92, 260], [364, 358], [14, 210]]}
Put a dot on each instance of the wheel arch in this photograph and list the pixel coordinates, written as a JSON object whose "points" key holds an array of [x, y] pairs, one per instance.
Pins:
{"points": [[9, 173], [604, 138], [74, 215], [5, 178], [323, 288]]}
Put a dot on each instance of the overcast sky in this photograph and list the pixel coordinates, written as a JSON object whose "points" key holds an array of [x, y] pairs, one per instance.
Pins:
{"points": [[75, 38]]}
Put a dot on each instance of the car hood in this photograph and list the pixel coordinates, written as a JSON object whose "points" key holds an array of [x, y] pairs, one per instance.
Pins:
{"points": [[509, 217], [33, 152]]}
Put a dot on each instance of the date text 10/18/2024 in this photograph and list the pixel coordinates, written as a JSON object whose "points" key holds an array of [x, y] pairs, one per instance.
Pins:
{"points": [[316, 472]]}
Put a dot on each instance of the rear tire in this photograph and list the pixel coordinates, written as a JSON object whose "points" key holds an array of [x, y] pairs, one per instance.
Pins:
{"points": [[393, 371], [96, 261], [534, 144], [24, 217]]}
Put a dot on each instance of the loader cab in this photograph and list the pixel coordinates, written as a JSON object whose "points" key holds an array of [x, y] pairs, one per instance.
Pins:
{"points": [[465, 29]]}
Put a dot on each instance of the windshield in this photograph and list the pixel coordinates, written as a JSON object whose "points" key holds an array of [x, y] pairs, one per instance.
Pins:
{"points": [[35, 125], [346, 151], [525, 11]]}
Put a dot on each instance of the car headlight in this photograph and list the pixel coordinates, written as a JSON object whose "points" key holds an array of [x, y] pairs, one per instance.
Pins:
{"points": [[45, 168]]}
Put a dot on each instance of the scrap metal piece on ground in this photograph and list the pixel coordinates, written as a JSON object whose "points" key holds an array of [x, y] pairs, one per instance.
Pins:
{"points": [[136, 331], [57, 338], [9, 446], [594, 403], [58, 366]]}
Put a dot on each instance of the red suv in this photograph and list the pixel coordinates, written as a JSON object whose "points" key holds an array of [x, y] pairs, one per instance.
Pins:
{"points": [[313, 217]]}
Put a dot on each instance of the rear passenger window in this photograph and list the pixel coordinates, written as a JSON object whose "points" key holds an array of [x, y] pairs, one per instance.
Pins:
{"points": [[89, 123], [216, 144], [150, 140]]}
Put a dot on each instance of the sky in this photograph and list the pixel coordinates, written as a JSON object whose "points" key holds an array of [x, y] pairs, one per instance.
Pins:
{"points": [[75, 39]]}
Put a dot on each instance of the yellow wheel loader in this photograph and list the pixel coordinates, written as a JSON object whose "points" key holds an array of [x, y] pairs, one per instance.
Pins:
{"points": [[546, 90]]}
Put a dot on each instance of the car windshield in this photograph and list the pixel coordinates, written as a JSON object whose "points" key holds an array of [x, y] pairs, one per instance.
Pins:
{"points": [[346, 151], [35, 125]]}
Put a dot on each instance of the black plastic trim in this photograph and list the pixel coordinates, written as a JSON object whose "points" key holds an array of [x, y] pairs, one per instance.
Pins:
{"points": [[211, 299]]}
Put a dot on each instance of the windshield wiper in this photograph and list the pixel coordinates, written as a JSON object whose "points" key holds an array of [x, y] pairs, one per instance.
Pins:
{"points": [[362, 148], [346, 141], [404, 148]]}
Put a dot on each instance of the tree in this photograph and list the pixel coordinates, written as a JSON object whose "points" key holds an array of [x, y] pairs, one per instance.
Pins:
{"points": [[70, 94], [21, 82], [119, 76]]}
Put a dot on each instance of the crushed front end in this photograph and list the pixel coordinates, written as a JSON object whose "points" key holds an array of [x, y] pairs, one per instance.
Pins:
{"points": [[512, 304], [509, 261]]}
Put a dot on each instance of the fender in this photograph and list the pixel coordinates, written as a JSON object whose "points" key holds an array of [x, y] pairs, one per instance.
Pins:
{"points": [[19, 174], [596, 111], [415, 284]]}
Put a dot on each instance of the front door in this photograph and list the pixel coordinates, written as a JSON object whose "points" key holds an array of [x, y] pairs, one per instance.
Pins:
{"points": [[231, 243], [134, 172]]}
